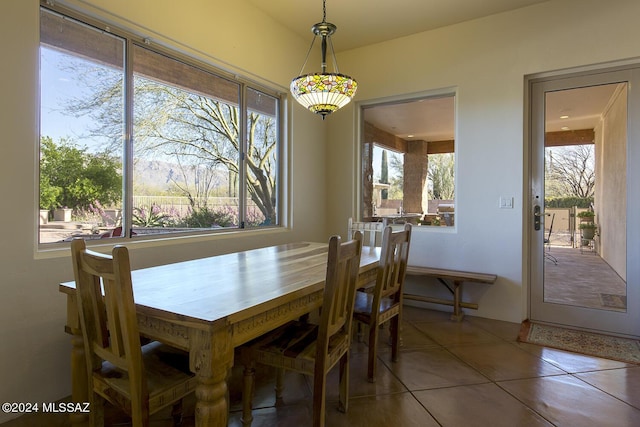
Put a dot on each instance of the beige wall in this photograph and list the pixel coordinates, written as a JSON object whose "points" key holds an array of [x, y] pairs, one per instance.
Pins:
{"points": [[485, 60]]}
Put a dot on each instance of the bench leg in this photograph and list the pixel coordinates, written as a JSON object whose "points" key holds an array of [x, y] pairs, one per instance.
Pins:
{"points": [[457, 310]]}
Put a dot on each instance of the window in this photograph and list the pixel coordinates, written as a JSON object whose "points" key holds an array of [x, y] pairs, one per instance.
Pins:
{"points": [[203, 152], [408, 161]]}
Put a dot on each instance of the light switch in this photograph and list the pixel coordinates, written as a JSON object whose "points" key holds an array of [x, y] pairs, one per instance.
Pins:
{"points": [[506, 202]]}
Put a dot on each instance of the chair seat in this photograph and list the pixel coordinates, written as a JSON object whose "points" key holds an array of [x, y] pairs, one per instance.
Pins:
{"points": [[167, 373], [293, 347], [364, 301]]}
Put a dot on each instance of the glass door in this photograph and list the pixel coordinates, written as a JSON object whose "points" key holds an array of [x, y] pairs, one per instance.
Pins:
{"points": [[584, 144]]}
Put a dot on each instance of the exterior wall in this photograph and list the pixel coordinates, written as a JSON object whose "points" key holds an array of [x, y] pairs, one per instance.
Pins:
{"points": [[611, 194]]}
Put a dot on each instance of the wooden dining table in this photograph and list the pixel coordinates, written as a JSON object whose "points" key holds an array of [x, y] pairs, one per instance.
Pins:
{"points": [[211, 305]]}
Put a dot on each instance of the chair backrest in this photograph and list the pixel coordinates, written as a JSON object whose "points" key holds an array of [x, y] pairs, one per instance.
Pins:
{"points": [[392, 267], [108, 313], [371, 232], [343, 266]]}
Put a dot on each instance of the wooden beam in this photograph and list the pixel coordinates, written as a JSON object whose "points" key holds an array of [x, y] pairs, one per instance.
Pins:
{"points": [[569, 137], [440, 147], [377, 136]]}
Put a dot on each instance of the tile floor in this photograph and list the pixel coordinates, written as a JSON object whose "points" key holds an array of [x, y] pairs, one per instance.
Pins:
{"points": [[471, 373]]}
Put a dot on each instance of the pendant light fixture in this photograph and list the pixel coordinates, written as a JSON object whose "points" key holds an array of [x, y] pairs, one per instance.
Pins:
{"points": [[323, 93]]}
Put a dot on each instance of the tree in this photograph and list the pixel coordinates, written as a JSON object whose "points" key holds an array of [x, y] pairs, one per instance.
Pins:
{"points": [[384, 174], [72, 177], [195, 181], [178, 124], [396, 184], [570, 171], [441, 176]]}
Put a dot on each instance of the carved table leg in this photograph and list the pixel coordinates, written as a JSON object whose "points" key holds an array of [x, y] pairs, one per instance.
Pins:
{"points": [[212, 405], [211, 358], [79, 380]]}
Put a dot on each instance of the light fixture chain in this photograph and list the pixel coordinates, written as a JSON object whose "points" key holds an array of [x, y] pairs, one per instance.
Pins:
{"points": [[324, 92], [307, 58], [333, 54]]}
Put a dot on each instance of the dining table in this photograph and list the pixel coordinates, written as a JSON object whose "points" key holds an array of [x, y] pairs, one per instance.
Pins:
{"points": [[209, 306]]}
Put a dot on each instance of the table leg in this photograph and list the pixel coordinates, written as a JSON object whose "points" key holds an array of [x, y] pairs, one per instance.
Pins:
{"points": [[79, 379], [211, 358], [457, 310]]}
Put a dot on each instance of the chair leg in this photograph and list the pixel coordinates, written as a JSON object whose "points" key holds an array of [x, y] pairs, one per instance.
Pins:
{"points": [[319, 389], [96, 415], [343, 401], [373, 351], [176, 413], [395, 337], [247, 394], [279, 386], [139, 412]]}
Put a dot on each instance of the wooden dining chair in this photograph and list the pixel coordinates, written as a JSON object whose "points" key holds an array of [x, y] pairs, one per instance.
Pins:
{"points": [[313, 349], [385, 302], [139, 379], [371, 232]]}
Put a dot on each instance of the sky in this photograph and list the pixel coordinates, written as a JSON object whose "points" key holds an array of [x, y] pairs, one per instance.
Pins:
{"points": [[377, 165], [58, 87]]}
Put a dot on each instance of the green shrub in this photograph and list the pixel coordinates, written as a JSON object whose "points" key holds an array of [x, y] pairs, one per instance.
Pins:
{"points": [[586, 214], [568, 202], [150, 217], [205, 217]]}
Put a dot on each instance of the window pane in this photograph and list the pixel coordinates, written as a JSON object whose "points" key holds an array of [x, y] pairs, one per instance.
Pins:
{"points": [[186, 147], [261, 159], [388, 172], [81, 96], [441, 188]]}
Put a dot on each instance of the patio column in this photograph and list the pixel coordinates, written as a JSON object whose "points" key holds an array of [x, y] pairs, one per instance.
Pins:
{"points": [[415, 176]]}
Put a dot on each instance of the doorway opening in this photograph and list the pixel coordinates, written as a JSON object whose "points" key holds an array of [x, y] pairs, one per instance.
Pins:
{"points": [[408, 161]]}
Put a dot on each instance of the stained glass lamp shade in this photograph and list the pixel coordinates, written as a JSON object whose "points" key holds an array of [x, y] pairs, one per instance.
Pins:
{"points": [[323, 93]]}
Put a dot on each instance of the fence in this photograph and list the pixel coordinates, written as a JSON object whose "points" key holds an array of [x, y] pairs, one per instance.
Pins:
{"points": [[565, 226], [181, 206]]}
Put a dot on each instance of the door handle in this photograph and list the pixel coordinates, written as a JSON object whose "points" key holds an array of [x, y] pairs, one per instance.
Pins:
{"points": [[536, 217]]}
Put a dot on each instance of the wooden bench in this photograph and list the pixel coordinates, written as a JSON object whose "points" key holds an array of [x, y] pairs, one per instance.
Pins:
{"points": [[453, 280]]}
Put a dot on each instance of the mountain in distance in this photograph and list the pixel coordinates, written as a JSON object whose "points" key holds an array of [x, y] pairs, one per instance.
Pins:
{"points": [[159, 176]]}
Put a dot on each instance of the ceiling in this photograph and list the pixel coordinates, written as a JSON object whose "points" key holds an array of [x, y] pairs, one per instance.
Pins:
{"points": [[365, 22], [433, 119], [576, 109]]}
